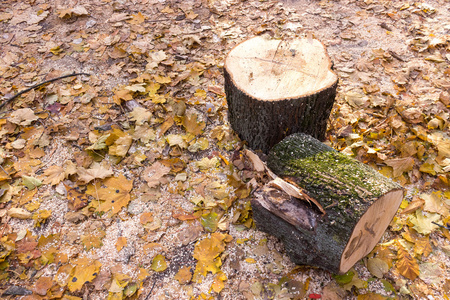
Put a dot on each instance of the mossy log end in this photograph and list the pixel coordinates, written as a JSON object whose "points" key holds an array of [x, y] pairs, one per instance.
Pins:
{"points": [[359, 203], [275, 88]]}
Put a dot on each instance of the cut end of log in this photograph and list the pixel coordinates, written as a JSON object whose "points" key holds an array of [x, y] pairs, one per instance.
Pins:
{"points": [[271, 70], [370, 228]]}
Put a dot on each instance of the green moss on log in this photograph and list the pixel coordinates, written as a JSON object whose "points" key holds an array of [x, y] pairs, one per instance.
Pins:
{"points": [[338, 182]]}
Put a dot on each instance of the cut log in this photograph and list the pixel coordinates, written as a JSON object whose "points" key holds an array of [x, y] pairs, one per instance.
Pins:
{"points": [[275, 88], [359, 204]]}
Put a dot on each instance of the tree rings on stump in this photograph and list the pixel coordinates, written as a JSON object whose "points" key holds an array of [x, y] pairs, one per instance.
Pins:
{"points": [[275, 88], [359, 204]]}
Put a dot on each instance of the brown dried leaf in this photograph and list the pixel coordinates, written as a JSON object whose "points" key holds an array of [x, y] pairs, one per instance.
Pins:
{"points": [[155, 173], [400, 165], [96, 172], [54, 175]]}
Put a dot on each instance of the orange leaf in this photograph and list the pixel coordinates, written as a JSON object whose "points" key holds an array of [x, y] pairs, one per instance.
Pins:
{"points": [[176, 164], [183, 216], [116, 194], [76, 199], [121, 242], [184, 275], [42, 285], [406, 264]]}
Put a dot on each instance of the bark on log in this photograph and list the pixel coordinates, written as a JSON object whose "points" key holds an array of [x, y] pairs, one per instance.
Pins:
{"points": [[359, 203], [275, 88]]}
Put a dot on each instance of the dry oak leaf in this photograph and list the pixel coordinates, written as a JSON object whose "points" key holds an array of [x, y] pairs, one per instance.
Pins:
{"points": [[155, 173], [406, 264], [207, 253], [96, 172], [54, 175], [23, 117], [116, 194], [85, 271]]}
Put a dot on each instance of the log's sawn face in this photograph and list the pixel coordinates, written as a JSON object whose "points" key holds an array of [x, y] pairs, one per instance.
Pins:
{"points": [[272, 70]]}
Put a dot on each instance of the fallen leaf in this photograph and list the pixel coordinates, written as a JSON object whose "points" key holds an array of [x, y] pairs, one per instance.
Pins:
{"points": [[377, 267], [218, 283], [31, 182], [434, 203], [140, 115], [92, 240], [400, 165], [159, 263], [155, 173], [19, 213], [207, 253], [121, 242], [184, 275], [406, 265], [23, 116], [77, 199], [85, 271], [192, 126], [54, 175], [42, 285], [210, 221], [97, 171], [423, 221], [116, 194]]}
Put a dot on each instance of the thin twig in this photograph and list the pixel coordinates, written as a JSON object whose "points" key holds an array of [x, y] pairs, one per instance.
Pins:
{"points": [[38, 85], [151, 290]]}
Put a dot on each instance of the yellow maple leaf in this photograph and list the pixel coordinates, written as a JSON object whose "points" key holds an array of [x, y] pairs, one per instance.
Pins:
{"points": [[218, 283], [116, 194], [137, 19], [406, 264], [191, 125], [63, 274], [93, 240], [207, 251], [54, 175], [85, 271]]}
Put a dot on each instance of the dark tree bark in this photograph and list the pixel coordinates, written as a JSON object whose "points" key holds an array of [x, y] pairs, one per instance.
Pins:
{"points": [[276, 88], [359, 204]]}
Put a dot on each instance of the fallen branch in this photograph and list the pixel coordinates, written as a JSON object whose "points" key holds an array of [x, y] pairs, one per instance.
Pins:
{"points": [[38, 85]]}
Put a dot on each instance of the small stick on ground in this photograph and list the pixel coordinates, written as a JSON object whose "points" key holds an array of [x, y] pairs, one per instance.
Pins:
{"points": [[38, 85]]}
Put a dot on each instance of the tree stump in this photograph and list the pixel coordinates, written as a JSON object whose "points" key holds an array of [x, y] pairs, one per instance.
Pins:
{"points": [[358, 202], [275, 88]]}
